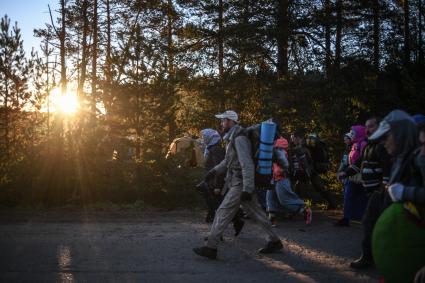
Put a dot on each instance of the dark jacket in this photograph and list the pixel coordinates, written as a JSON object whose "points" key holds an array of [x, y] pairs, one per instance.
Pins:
{"points": [[413, 179], [375, 165], [214, 157], [344, 160], [301, 163]]}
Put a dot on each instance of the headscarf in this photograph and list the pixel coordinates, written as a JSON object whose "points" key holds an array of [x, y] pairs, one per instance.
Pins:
{"points": [[211, 137], [358, 137]]}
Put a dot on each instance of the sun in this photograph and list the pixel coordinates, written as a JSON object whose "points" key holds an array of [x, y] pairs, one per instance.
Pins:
{"points": [[66, 103]]}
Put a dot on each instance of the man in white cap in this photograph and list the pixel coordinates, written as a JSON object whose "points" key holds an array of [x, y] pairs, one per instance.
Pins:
{"points": [[239, 168]]}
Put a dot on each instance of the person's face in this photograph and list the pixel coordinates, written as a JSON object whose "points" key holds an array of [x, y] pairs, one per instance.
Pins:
{"points": [[296, 140], [227, 124], [347, 141], [371, 127], [389, 143], [422, 137]]}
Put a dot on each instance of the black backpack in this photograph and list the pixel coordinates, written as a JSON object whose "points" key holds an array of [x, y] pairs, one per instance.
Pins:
{"points": [[319, 153]]}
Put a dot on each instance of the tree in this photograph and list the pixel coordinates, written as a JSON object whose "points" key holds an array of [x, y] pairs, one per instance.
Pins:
{"points": [[14, 70]]}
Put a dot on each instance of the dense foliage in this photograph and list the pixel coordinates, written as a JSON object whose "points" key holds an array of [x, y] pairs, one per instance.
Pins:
{"points": [[147, 71]]}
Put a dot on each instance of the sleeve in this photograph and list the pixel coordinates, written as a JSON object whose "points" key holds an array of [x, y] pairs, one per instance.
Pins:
{"points": [[281, 159], [221, 168], [355, 168], [243, 150], [416, 194], [385, 160]]}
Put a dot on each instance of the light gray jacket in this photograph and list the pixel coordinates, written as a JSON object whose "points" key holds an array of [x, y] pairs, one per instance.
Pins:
{"points": [[238, 164]]}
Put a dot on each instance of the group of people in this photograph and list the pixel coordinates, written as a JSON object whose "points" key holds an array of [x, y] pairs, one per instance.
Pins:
{"points": [[382, 168], [231, 186], [384, 164]]}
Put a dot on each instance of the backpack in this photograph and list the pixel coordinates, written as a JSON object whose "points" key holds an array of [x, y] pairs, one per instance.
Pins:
{"points": [[262, 181], [319, 153]]}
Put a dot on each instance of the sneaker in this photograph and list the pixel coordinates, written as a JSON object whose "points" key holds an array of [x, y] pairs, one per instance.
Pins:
{"points": [[206, 252], [271, 247], [362, 263], [238, 225], [342, 223]]}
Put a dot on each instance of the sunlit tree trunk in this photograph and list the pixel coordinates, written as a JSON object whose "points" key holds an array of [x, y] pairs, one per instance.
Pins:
{"points": [[62, 37], [94, 58], [84, 47], [170, 71]]}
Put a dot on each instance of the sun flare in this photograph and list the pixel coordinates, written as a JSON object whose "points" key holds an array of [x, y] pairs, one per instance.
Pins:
{"points": [[66, 103]]}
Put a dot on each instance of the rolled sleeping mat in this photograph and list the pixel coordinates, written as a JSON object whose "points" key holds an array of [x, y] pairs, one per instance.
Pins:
{"points": [[265, 156]]}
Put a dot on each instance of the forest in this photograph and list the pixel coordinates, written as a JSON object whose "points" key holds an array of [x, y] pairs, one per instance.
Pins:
{"points": [[112, 75]]}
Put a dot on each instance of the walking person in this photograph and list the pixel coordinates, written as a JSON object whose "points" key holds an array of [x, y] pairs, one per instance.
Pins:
{"points": [[304, 171], [238, 165], [282, 198]]}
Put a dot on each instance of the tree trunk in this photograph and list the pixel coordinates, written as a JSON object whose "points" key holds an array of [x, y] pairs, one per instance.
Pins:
{"points": [[406, 32], [339, 9], [220, 41], [84, 48], [170, 72], [282, 38], [376, 34], [94, 58], [6, 116], [420, 40], [327, 36], [108, 72], [62, 37]]}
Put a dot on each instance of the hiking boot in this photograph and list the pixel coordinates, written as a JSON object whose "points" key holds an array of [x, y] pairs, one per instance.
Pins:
{"points": [[238, 225], [362, 263], [206, 252], [271, 247], [342, 223]]}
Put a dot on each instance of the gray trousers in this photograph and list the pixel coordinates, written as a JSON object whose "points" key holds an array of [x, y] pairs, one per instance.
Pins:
{"points": [[228, 209]]}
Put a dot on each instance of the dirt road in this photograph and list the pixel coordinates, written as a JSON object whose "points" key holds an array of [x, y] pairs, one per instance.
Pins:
{"points": [[134, 246]]}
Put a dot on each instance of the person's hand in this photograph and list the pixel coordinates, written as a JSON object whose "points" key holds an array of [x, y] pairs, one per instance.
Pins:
{"points": [[210, 175], [341, 175], [396, 192], [245, 196]]}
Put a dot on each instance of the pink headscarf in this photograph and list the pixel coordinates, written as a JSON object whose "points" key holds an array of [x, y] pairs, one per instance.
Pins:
{"points": [[358, 133]]}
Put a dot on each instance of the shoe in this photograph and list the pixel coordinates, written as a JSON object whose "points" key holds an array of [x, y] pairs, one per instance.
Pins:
{"points": [[271, 247], [272, 219], [209, 218], [206, 252], [238, 225], [342, 223], [362, 263]]}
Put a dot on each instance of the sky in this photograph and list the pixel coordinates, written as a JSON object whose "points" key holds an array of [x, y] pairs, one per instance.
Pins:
{"points": [[29, 14]]}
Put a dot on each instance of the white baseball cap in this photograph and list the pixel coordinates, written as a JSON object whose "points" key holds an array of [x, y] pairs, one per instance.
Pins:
{"points": [[229, 114]]}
